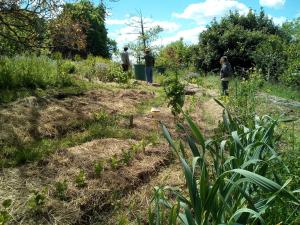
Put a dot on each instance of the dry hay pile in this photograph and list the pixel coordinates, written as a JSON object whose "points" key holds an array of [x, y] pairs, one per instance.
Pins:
{"points": [[65, 165], [33, 118]]}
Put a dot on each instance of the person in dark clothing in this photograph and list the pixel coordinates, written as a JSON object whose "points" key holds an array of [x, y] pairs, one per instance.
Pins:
{"points": [[149, 63], [125, 59], [225, 74]]}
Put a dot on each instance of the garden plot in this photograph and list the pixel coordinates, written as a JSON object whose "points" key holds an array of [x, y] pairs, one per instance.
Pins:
{"points": [[86, 192], [33, 118]]}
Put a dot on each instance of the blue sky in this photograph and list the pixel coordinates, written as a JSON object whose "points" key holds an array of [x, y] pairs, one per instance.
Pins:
{"points": [[187, 18]]}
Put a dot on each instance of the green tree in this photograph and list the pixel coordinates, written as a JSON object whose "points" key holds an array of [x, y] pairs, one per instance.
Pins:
{"points": [[23, 24], [270, 57], [84, 12], [175, 55], [236, 36]]}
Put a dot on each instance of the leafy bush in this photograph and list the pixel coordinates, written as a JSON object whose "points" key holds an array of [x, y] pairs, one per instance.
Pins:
{"points": [[68, 67], [242, 101], [175, 94], [103, 69], [237, 189]]}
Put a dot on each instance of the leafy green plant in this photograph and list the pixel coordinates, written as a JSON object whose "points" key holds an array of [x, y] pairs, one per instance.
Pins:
{"points": [[37, 200], [60, 190], [98, 167], [4, 214], [238, 189], [114, 162], [127, 156], [242, 100], [80, 179], [175, 93]]}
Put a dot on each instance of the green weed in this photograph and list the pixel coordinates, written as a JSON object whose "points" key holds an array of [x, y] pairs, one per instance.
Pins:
{"points": [[114, 162], [60, 190], [80, 179], [98, 167], [37, 200], [4, 214]]}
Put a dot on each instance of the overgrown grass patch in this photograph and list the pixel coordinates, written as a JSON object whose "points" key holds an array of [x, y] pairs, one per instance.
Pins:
{"points": [[282, 91]]}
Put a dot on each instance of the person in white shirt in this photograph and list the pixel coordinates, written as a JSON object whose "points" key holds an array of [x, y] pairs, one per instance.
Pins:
{"points": [[125, 59]]}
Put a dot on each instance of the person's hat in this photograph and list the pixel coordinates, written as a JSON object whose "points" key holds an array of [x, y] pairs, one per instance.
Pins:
{"points": [[147, 49]]}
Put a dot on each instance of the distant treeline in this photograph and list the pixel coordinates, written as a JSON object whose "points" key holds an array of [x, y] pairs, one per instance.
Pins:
{"points": [[249, 41]]}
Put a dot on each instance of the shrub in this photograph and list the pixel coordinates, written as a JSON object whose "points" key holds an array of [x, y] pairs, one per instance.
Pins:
{"points": [[175, 93], [242, 101], [103, 69], [68, 67]]}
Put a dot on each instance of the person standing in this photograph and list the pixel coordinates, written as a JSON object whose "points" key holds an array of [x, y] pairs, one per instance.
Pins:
{"points": [[149, 63], [225, 74], [125, 59]]}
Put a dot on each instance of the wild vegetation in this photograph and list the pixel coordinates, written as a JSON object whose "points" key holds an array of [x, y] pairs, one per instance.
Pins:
{"points": [[81, 142]]}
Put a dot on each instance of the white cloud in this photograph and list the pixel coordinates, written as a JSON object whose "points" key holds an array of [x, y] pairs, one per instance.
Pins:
{"points": [[203, 12], [190, 36], [272, 3], [129, 32], [115, 22], [278, 20]]}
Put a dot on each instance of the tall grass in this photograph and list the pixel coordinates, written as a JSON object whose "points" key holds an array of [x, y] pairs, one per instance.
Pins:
{"points": [[27, 72], [238, 188]]}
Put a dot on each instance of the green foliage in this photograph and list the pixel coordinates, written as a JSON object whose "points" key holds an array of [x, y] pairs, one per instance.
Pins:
{"points": [[98, 167], [239, 187], [103, 70], [68, 67], [4, 214], [60, 190], [27, 71], [84, 11], [175, 92], [242, 100], [127, 156], [34, 72], [37, 200], [270, 57], [291, 76], [176, 55], [114, 162], [235, 36], [80, 179]]}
